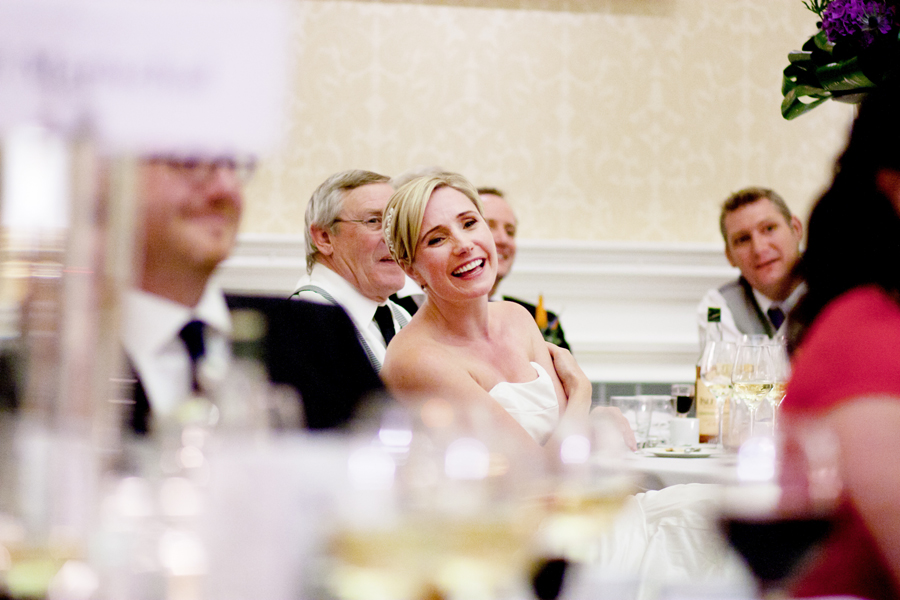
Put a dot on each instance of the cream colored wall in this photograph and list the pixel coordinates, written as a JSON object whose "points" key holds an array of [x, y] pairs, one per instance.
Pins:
{"points": [[602, 119]]}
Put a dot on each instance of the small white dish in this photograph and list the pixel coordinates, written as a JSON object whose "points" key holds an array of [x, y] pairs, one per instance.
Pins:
{"points": [[682, 452]]}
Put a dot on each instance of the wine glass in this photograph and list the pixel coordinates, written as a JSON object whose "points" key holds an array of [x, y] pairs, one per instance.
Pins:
{"points": [[782, 373], [782, 501], [716, 367], [589, 483], [438, 507], [752, 377]]}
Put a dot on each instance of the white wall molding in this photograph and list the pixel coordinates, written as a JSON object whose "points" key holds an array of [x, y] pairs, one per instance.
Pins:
{"points": [[628, 309]]}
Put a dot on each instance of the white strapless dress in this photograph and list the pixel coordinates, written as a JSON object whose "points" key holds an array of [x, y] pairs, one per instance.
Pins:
{"points": [[532, 403]]}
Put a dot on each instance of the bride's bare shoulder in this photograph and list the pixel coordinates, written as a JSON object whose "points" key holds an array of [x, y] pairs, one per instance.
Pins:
{"points": [[515, 321], [511, 312], [413, 373], [411, 353]]}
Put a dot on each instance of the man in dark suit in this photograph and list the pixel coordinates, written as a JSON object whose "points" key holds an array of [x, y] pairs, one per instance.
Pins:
{"points": [[503, 225], [313, 348], [176, 318]]}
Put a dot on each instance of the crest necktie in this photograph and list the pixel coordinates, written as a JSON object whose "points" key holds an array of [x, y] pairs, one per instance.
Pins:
{"points": [[385, 322], [192, 336], [776, 315]]}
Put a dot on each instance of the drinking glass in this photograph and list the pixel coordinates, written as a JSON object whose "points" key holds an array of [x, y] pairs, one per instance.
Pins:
{"points": [[643, 417], [639, 412], [755, 339], [589, 483], [716, 367], [438, 507], [782, 502], [782, 373], [682, 398], [752, 377]]}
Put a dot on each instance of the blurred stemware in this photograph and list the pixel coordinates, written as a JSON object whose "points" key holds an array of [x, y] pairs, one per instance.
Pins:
{"points": [[754, 339], [585, 494], [752, 377], [439, 507], [716, 367], [782, 502]]}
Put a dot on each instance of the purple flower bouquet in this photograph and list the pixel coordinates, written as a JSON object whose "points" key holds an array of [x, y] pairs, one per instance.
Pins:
{"points": [[856, 48]]}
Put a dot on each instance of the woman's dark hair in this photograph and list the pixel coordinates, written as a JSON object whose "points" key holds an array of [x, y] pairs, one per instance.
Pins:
{"points": [[854, 229]]}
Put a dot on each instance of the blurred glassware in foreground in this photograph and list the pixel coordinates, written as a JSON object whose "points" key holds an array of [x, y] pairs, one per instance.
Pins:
{"points": [[441, 506], [173, 498], [782, 501], [585, 491], [65, 252]]}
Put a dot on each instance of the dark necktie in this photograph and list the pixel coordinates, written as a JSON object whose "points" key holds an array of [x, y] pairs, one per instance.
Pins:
{"points": [[776, 315], [192, 336], [138, 418], [385, 322]]}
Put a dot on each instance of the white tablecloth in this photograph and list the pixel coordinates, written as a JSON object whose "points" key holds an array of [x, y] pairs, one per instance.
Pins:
{"points": [[662, 472], [664, 544]]}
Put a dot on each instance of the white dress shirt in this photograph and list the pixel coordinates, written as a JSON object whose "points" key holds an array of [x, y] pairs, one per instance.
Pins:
{"points": [[150, 336], [730, 330], [412, 290], [360, 309]]}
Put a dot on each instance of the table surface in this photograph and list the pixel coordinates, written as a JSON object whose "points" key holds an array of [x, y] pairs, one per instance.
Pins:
{"points": [[669, 470]]}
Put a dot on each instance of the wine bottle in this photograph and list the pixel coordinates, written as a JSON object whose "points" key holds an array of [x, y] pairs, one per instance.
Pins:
{"points": [[704, 401]]}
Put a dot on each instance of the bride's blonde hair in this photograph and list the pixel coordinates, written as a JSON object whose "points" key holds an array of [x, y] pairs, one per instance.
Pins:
{"points": [[405, 211]]}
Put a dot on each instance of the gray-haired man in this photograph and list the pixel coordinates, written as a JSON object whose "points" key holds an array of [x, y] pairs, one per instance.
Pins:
{"points": [[347, 260]]}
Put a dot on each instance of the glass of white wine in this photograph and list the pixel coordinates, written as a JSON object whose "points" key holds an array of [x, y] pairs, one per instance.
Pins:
{"points": [[716, 366], [439, 507], [752, 377], [782, 365]]}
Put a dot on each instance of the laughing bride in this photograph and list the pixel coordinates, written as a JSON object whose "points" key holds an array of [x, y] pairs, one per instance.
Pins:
{"points": [[487, 356]]}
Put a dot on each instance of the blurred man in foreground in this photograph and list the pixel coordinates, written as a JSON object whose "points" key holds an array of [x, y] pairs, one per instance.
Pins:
{"points": [[176, 317]]}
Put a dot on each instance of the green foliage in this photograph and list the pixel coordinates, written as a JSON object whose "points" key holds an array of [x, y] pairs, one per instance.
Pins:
{"points": [[823, 71], [817, 6]]}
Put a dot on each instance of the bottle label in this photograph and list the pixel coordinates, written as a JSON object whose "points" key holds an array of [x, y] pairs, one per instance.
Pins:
{"points": [[706, 411]]}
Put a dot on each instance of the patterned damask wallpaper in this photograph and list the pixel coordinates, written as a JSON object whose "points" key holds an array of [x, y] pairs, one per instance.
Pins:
{"points": [[621, 120]]}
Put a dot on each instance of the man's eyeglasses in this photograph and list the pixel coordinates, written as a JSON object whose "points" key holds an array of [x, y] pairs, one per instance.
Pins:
{"points": [[372, 223], [201, 170]]}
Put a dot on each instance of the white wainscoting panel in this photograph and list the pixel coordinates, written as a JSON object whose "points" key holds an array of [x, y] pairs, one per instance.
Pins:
{"points": [[628, 309]]}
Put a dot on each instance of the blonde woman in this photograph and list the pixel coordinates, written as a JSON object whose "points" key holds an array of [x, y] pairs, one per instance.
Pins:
{"points": [[487, 356]]}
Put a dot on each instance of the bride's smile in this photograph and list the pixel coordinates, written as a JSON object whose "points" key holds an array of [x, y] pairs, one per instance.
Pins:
{"points": [[466, 268], [455, 241]]}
